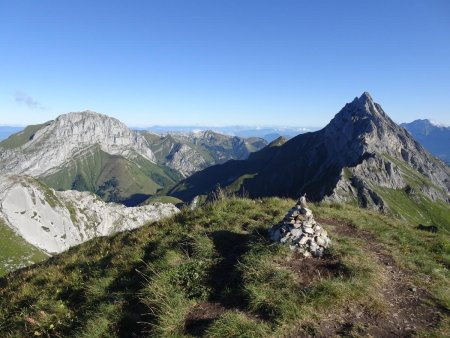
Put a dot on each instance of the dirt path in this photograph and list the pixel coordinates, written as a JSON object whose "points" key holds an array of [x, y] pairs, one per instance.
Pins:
{"points": [[411, 308]]}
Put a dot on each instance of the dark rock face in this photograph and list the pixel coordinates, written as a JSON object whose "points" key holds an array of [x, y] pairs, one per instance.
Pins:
{"points": [[359, 150]]}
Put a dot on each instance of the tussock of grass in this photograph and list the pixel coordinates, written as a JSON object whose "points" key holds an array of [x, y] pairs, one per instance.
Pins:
{"points": [[235, 324]]}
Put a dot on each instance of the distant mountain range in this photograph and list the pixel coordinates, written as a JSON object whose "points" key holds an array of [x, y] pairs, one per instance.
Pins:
{"points": [[267, 133], [360, 157], [190, 152], [434, 137]]}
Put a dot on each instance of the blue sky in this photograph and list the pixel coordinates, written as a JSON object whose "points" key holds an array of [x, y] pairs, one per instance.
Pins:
{"points": [[212, 62]]}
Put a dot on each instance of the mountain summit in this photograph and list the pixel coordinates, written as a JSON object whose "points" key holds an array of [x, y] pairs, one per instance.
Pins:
{"points": [[42, 149], [359, 156]]}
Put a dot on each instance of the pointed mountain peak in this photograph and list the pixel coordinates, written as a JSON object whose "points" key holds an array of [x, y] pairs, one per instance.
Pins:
{"points": [[365, 97], [364, 125], [362, 109], [365, 100]]}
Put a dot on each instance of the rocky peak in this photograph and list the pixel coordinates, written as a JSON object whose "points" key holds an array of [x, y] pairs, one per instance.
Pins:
{"points": [[362, 127], [70, 135], [362, 113], [371, 141]]}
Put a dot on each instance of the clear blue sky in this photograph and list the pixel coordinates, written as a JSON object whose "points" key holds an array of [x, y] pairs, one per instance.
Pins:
{"points": [[222, 62]]}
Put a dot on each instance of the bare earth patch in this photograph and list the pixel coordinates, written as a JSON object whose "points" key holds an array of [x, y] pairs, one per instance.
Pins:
{"points": [[201, 316], [310, 270]]}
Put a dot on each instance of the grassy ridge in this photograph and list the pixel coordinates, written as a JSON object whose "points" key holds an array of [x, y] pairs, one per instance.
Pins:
{"points": [[155, 280], [19, 139]]}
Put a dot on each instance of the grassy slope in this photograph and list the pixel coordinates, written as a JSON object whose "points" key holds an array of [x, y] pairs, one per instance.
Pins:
{"points": [[415, 207], [15, 252], [139, 177], [149, 281], [163, 199], [20, 138]]}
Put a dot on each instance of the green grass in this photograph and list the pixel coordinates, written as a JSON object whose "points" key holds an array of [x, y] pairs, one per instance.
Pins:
{"points": [[15, 252], [163, 199], [138, 177], [238, 183], [22, 137], [418, 210], [148, 281]]}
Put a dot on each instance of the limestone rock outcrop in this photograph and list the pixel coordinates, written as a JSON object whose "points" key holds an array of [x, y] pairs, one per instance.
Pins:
{"points": [[56, 220]]}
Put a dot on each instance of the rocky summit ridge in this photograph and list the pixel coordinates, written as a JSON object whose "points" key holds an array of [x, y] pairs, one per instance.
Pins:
{"points": [[70, 135], [358, 155]]}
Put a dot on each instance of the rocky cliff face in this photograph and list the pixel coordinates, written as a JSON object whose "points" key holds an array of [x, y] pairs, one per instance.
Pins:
{"points": [[185, 160], [69, 136], [357, 155], [54, 221]]}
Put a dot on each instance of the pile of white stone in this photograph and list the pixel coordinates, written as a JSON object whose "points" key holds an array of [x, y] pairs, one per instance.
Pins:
{"points": [[301, 231]]}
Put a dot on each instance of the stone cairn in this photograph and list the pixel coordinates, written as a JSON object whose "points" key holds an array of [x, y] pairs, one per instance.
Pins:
{"points": [[301, 231]]}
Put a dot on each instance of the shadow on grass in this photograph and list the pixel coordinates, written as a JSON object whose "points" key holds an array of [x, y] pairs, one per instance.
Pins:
{"points": [[124, 291], [225, 279]]}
